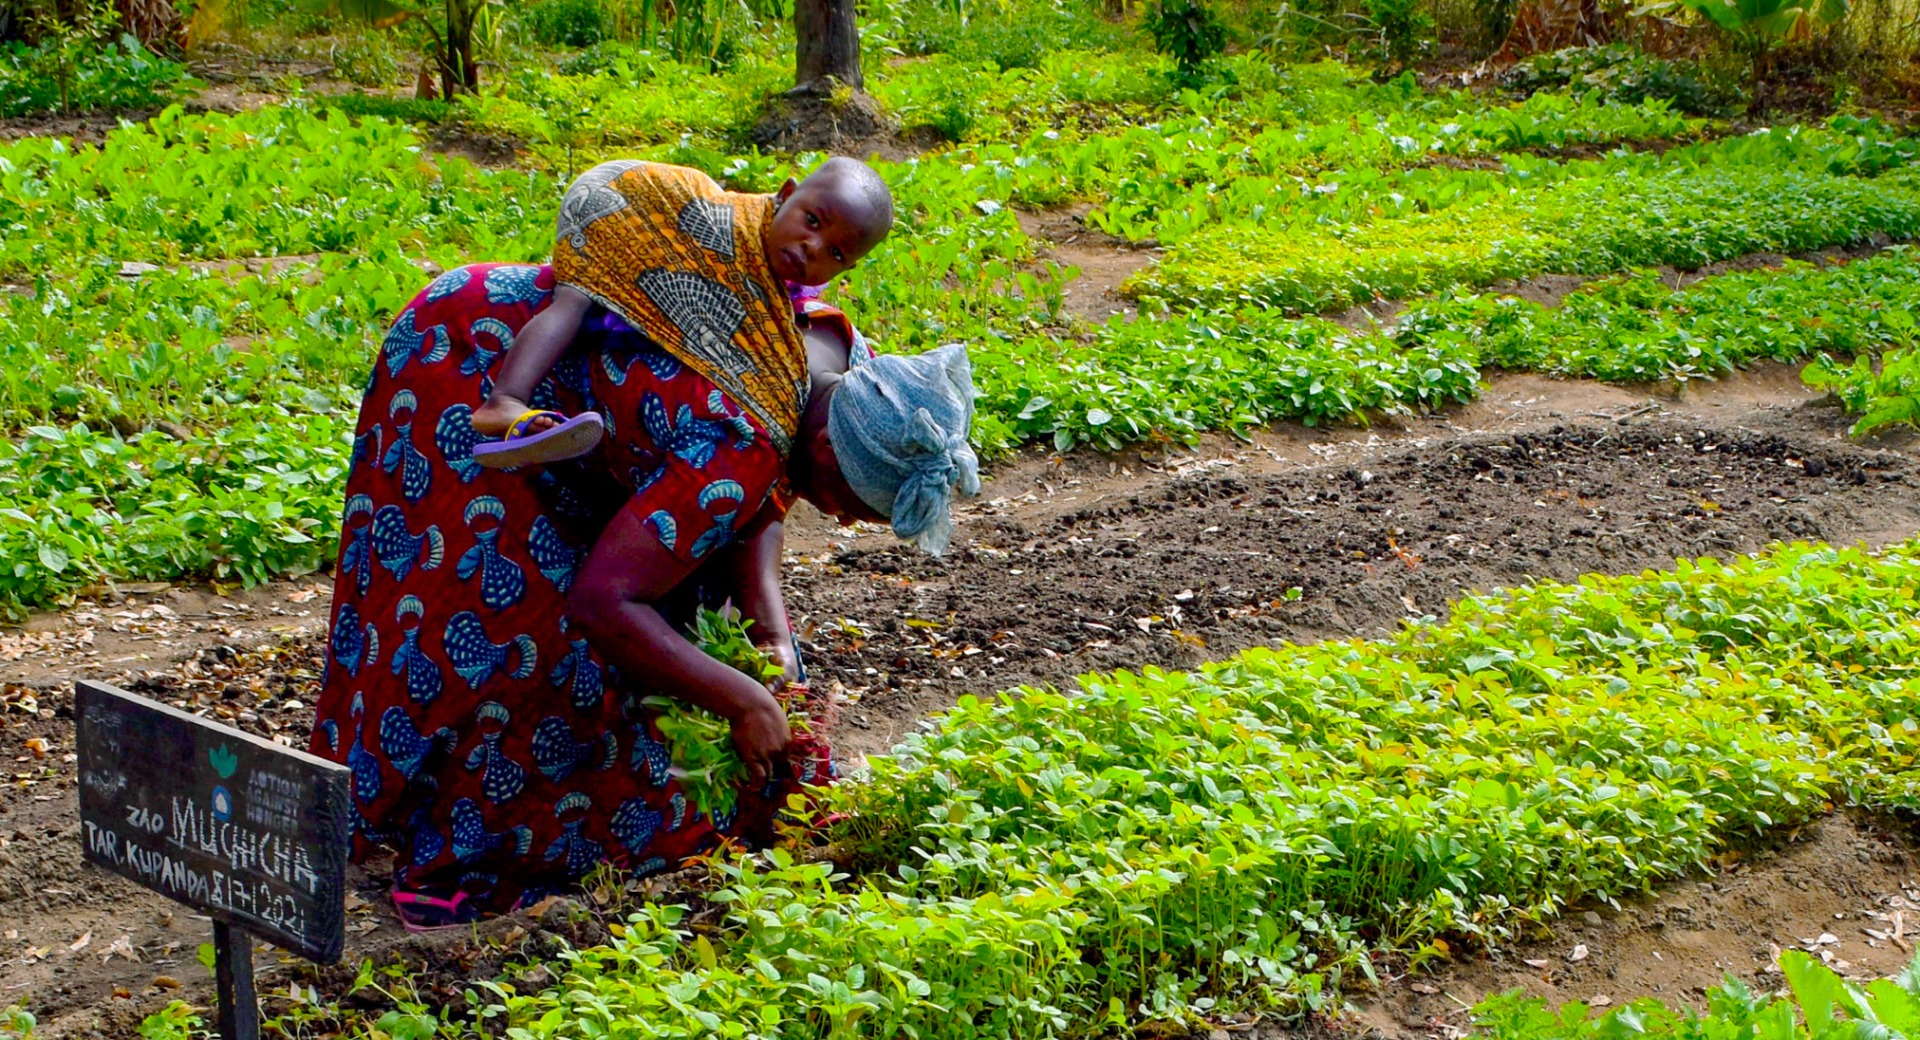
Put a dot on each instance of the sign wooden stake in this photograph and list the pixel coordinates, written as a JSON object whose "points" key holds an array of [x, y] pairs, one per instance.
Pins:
{"points": [[233, 977], [237, 827]]}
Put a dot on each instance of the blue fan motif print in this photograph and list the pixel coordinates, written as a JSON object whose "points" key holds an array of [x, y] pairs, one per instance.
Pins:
{"points": [[558, 756], [633, 824], [514, 284], [455, 437], [501, 778], [401, 741], [364, 764], [543, 396], [482, 358], [477, 658], [502, 582], [579, 674], [356, 558], [551, 553], [688, 436], [448, 284], [415, 471], [571, 372], [714, 498], [354, 647], [579, 852], [665, 528], [471, 839], [563, 498], [400, 550], [723, 820], [424, 681], [616, 367], [406, 338], [651, 754], [362, 826], [366, 446], [664, 366], [331, 730], [677, 812], [428, 842]]}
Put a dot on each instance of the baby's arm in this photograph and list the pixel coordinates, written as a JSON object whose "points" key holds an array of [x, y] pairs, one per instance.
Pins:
{"points": [[534, 353]]}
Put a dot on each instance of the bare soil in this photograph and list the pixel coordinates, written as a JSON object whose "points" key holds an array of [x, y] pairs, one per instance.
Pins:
{"points": [[1844, 889], [1102, 260], [1065, 565]]}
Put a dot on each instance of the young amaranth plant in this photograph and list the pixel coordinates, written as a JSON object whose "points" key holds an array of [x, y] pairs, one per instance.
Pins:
{"points": [[701, 743]]}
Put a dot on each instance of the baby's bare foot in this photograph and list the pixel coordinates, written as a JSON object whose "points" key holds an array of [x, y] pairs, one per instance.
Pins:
{"points": [[497, 416]]}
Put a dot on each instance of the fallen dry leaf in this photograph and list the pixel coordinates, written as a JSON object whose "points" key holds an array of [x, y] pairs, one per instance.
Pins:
{"points": [[1600, 1000], [81, 943], [37, 746], [123, 993], [121, 947], [164, 982], [1578, 953], [1423, 987], [1537, 963]]}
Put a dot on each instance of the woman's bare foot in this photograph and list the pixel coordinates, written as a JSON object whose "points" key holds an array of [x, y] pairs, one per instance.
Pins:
{"points": [[496, 417]]}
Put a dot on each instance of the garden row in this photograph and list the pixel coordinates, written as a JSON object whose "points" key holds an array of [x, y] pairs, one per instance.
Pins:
{"points": [[1267, 831], [192, 422], [249, 488]]}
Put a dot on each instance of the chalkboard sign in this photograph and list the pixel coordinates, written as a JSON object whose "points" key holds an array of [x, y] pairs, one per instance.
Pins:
{"points": [[251, 833]]}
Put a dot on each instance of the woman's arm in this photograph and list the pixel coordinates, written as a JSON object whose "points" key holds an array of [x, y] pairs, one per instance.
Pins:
{"points": [[611, 601], [753, 572]]}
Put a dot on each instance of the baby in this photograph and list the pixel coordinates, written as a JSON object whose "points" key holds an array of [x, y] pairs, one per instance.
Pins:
{"points": [[819, 228]]}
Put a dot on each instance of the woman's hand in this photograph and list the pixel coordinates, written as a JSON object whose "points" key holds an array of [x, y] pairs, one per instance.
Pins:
{"points": [[761, 736], [782, 653]]}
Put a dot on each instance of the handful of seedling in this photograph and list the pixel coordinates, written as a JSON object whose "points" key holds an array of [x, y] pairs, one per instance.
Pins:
{"points": [[705, 761]]}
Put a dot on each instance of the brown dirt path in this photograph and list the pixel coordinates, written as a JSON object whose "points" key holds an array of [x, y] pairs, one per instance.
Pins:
{"points": [[1065, 565]]}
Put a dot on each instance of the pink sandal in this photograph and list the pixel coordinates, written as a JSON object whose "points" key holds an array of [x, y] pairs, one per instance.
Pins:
{"points": [[421, 913]]}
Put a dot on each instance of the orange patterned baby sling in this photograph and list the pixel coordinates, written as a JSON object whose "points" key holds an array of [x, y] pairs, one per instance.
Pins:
{"points": [[682, 261]]}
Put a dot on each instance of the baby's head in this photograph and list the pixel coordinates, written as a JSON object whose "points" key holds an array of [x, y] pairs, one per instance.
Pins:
{"points": [[827, 222]]}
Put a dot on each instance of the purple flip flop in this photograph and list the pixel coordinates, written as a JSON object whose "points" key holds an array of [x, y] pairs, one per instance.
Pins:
{"points": [[569, 438]]}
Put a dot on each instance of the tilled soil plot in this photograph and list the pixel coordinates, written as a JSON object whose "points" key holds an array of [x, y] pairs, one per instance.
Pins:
{"points": [[1173, 572], [1082, 565]]}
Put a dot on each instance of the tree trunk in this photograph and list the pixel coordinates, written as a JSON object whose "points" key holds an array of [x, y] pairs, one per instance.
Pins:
{"points": [[829, 46]]}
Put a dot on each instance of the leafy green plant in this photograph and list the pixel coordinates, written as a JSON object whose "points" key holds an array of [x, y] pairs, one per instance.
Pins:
{"points": [[1636, 329], [366, 58], [1401, 30], [1188, 32], [1055, 860], [568, 23], [700, 742], [453, 31], [1821, 1004], [1620, 74], [179, 1020], [1757, 28], [71, 74], [1882, 394]]}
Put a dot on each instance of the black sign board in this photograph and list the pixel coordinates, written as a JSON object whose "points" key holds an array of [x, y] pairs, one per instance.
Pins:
{"points": [[246, 831]]}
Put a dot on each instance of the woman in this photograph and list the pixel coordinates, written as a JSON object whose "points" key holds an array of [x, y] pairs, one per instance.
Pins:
{"points": [[491, 629]]}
